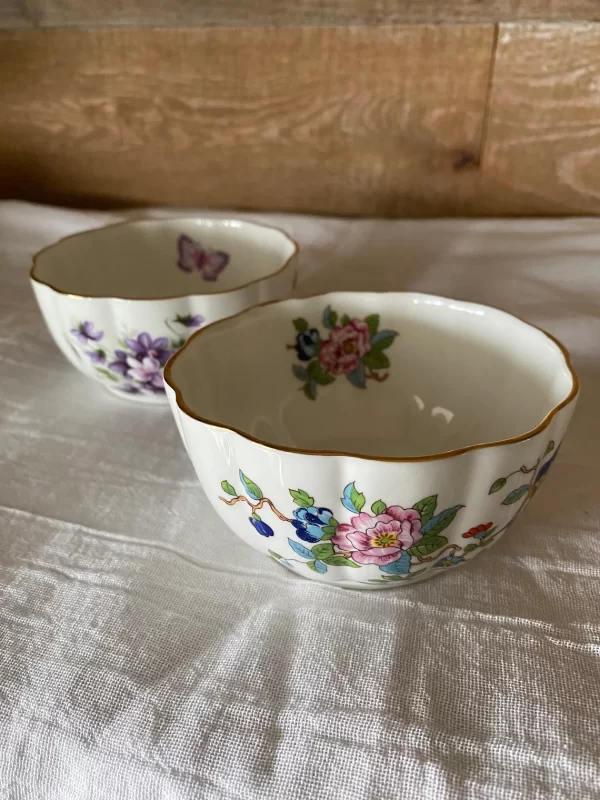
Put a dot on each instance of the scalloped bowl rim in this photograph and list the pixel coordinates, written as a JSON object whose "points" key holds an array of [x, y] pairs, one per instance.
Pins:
{"points": [[230, 221], [545, 422]]}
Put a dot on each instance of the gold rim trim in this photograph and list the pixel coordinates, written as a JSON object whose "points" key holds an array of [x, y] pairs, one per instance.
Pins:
{"points": [[132, 222], [389, 459]]}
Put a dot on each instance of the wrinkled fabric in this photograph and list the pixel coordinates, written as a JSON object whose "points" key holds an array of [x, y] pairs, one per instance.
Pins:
{"points": [[145, 652]]}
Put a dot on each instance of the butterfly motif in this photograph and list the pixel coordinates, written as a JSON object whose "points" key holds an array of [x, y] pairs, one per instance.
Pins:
{"points": [[192, 256]]}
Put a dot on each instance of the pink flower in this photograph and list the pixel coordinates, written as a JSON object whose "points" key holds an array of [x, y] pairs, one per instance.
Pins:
{"points": [[380, 539], [341, 353]]}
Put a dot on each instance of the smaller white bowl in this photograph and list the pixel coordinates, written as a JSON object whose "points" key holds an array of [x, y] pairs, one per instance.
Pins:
{"points": [[120, 300], [379, 439]]}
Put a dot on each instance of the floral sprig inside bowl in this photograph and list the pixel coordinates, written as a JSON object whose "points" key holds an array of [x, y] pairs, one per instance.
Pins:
{"points": [[354, 348], [136, 365]]}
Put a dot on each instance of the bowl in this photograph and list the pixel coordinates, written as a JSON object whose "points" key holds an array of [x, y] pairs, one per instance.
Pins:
{"points": [[379, 439], [120, 300]]}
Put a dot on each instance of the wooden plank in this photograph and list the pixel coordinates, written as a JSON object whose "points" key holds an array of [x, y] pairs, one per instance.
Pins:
{"points": [[542, 152], [14, 14], [240, 13], [370, 121]]}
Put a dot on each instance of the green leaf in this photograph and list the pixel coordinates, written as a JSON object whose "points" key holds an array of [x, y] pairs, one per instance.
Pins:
{"points": [[357, 377], [357, 498], [516, 495], [311, 565], [378, 507], [318, 375], [373, 322], [302, 498], [299, 372], [426, 508], [329, 317], [300, 324], [375, 359], [111, 376], [497, 485], [440, 522], [549, 448], [176, 344], [339, 561], [470, 547], [333, 523], [383, 339], [227, 487], [255, 516], [274, 554], [345, 320], [328, 533], [310, 390], [252, 490], [322, 550], [427, 545]]}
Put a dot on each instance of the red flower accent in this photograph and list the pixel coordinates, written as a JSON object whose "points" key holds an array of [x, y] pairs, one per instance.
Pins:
{"points": [[479, 529], [341, 353]]}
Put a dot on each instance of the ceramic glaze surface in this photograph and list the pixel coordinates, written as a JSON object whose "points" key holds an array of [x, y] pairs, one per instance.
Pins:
{"points": [[412, 472], [119, 301], [392, 375]]}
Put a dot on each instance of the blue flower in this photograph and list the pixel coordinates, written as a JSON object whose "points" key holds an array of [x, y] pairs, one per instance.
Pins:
{"points": [[261, 527], [449, 561], [308, 533], [309, 521], [314, 515], [307, 344]]}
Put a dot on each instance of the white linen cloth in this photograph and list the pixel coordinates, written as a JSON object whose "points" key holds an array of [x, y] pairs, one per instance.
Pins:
{"points": [[145, 652]]}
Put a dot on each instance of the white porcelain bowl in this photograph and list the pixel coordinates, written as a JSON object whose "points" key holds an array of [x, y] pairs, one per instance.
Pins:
{"points": [[120, 300], [371, 439]]}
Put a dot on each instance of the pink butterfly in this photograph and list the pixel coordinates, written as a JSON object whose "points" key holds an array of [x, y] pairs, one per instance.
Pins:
{"points": [[193, 256]]}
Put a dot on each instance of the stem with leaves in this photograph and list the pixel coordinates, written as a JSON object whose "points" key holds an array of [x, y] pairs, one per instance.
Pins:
{"points": [[255, 506], [375, 376], [454, 548]]}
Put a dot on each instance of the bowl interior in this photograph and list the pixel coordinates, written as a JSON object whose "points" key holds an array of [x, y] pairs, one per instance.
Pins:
{"points": [[154, 259], [384, 375]]}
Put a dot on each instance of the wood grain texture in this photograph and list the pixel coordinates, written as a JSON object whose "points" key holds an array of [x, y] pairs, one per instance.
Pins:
{"points": [[14, 14], [542, 152], [383, 121], [232, 13]]}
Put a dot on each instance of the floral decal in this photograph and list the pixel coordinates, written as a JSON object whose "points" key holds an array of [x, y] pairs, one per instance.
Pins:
{"points": [[379, 539], [85, 333], [526, 490], [136, 365], [355, 349], [391, 537], [483, 535], [193, 257], [396, 539]]}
